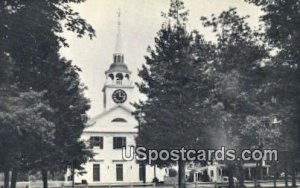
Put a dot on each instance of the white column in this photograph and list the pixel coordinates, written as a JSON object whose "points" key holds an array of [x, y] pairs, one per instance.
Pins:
{"points": [[249, 172]]}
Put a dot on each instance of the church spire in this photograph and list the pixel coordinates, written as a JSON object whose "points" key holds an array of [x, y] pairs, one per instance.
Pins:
{"points": [[118, 64], [118, 55], [118, 49]]}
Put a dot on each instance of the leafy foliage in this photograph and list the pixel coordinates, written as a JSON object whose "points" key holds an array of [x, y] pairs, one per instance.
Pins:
{"points": [[24, 125], [281, 19], [175, 87], [176, 82], [31, 52]]}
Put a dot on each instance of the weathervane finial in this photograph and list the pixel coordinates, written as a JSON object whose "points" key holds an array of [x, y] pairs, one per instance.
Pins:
{"points": [[119, 16]]}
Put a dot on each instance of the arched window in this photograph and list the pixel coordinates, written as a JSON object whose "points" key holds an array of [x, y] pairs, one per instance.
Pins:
{"points": [[127, 76], [119, 76], [111, 76], [119, 120]]}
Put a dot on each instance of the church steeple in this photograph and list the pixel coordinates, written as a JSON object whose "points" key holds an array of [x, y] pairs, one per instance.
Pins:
{"points": [[118, 64], [118, 87]]}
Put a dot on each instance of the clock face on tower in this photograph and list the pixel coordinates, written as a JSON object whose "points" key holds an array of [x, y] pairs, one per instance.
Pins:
{"points": [[119, 96]]}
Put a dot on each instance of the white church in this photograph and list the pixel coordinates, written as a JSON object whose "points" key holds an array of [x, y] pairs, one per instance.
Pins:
{"points": [[115, 128]]}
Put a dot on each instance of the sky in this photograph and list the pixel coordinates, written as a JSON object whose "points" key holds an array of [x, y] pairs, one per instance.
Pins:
{"points": [[140, 22]]}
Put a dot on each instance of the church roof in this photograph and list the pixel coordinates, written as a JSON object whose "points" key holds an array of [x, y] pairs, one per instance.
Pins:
{"points": [[94, 119], [118, 67]]}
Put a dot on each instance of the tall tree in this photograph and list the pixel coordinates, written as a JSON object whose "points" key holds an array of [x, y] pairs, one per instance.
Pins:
{"points": [[23, 125], [176, 84], [238, 77], [34, 49], [282, 20]]}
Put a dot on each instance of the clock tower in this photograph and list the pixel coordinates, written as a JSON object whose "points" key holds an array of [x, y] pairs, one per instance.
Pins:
{"points": [[118, 87]]}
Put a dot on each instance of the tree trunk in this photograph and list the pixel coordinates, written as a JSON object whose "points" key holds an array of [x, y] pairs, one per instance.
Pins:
{"points": [[6, 178], [13, 181], [275, 175], [181, 174], [261, 170], [294, 184], [255, 175], [45, 178], [52, 175], [286, 174], [144, 173], [73, 176], [274, 181], [241, 177], [230, 176]]}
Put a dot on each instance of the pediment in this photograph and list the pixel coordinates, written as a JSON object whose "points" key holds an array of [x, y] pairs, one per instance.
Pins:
{"points": [[117, 118]]}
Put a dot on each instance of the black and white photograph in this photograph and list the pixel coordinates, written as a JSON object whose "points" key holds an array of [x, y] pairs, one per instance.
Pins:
{"points": [[149, 93]]}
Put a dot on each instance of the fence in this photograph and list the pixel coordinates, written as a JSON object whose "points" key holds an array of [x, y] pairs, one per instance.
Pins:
{"points": [[62, 184]]}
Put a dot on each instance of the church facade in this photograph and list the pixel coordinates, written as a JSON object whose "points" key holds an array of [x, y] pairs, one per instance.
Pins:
{"points": [[114, 128]]}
